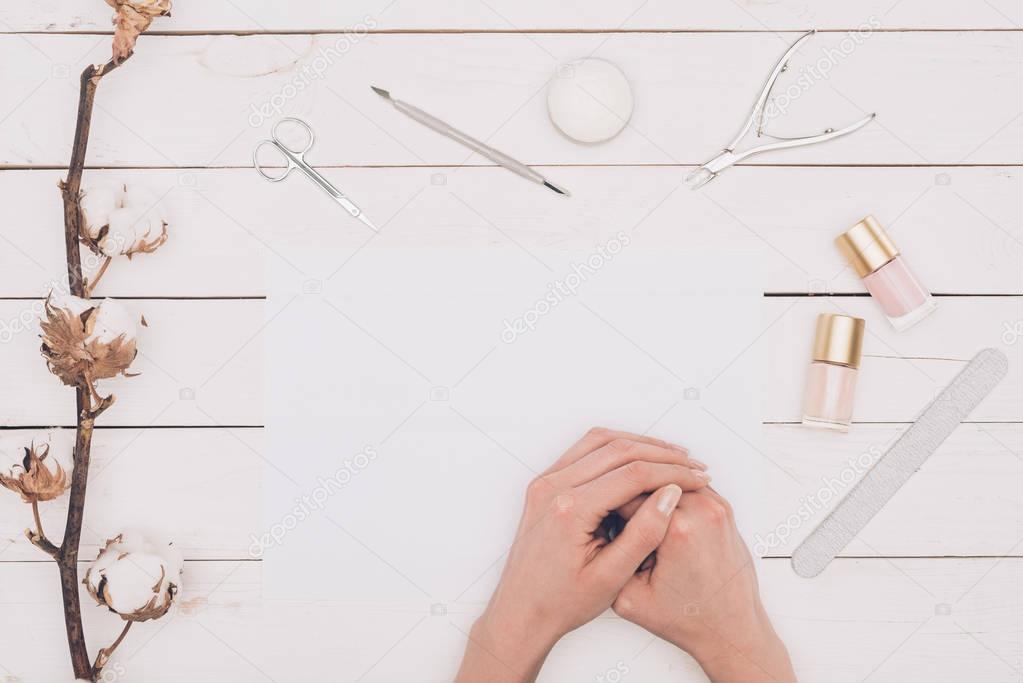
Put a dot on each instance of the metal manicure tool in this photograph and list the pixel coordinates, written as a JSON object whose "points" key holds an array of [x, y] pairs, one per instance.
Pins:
{"points": [[296, 159], [702, 175], [499, 158]]}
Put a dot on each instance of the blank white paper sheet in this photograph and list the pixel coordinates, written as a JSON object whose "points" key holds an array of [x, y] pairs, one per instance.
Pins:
{"points": [[413, 393]]}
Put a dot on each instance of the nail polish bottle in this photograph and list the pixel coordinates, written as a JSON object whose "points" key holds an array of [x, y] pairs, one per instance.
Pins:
{"points": [[831, 380], [871, 252]]}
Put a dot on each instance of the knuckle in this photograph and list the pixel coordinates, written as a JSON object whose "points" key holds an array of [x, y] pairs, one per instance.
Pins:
{"points": [[624, 606], [621, 446], [713, 510], [538, 489], [679, 529], [636, 471]]}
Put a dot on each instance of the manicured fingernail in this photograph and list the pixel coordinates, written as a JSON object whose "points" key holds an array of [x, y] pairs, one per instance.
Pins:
{"points": [[669, 499], [697, 464], [676, 447], [702, 476]]}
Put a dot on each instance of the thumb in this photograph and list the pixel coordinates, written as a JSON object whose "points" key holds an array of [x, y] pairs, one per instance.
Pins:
{"points": [[642, 534]]}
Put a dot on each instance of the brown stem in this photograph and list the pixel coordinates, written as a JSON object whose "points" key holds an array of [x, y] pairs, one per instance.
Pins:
{"points": [[90, 286], [104, 655], [38, 538], [67, 557]]}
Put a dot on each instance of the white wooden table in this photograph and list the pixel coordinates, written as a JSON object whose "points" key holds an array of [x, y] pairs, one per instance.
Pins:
{"points": [[930, 591]]}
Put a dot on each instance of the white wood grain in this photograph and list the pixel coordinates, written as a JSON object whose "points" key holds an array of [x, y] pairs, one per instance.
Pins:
{"points": [[201, 361], [199, 488], [140, 478], [222, 220], [947, 98], [188, 101], [504, 15], [944, 620], [964, 501]]}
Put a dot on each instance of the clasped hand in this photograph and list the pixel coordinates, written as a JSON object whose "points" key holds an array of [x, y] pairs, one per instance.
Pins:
{"points": [[700, 591]]}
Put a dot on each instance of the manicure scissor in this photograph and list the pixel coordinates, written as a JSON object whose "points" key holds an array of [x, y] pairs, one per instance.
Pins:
{"points": [[296, 159], [705, 173]]}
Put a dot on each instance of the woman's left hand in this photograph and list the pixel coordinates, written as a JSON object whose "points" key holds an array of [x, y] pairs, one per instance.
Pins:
{"points": [[560, 573]]}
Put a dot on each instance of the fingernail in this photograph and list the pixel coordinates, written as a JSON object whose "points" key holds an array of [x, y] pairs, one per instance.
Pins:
{"points": [[702, 476], [697, 464], [676, 447], [669, 499]]}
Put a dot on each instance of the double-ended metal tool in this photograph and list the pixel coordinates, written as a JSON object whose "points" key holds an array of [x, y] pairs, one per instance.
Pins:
{"points": [[484, 150], [702, 175]]}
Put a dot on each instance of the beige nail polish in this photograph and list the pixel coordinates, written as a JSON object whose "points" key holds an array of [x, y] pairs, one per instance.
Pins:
{"points": [[669, 499]]}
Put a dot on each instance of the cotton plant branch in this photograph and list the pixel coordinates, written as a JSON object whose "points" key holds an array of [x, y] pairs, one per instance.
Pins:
{"points": [[84, 343]]}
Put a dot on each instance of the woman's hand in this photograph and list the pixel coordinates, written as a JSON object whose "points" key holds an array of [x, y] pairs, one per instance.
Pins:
{"points": [[702, 595], [560, 574]]}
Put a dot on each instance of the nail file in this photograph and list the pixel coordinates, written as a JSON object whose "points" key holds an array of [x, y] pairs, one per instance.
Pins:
{"points": [[955, 402]]}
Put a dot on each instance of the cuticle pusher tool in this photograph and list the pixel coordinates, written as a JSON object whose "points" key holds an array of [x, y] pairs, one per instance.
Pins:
{"points": [[706, 172], [484, 150]]}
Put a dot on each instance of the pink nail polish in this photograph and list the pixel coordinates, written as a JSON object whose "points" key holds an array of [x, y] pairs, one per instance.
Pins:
{"points": [[871, 252], [831, 380]]}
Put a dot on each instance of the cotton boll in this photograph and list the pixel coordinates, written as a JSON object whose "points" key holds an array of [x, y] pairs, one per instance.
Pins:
{"points": [[110, 321], [123, 220], [130, 20], [68, 302], [130, 580], [98, 202], [135, 577], [36, 475], [121, 236], [83, 342], [139, 196]]}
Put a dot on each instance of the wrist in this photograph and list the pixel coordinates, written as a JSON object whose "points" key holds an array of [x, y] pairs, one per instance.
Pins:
{"points": [[507, 647], [744, 655]]}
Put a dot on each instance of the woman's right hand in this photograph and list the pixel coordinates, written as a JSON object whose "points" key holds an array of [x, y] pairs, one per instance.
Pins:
{"points": [[702, 595]]}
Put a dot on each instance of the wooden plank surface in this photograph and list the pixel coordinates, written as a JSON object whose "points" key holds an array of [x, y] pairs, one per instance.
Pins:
{"points": [[222, 221], [944, 620], [200, 362], [974, 475], [924, 593], [506, 15], [493, 85]]}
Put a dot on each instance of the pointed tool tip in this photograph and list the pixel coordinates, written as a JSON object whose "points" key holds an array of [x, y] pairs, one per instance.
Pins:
{"points": [[557, 189], [381, 92]]}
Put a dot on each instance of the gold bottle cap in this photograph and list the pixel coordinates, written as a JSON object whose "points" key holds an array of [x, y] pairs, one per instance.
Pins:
{"points": [[839, 339], [866, 246]]}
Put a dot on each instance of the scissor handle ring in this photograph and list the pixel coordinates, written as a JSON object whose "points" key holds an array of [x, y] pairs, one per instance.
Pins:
{"points": [[262, 171], [304, 125]]}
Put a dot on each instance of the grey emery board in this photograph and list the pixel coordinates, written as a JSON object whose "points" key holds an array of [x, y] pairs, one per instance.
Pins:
{"points": [[955, 402]]}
